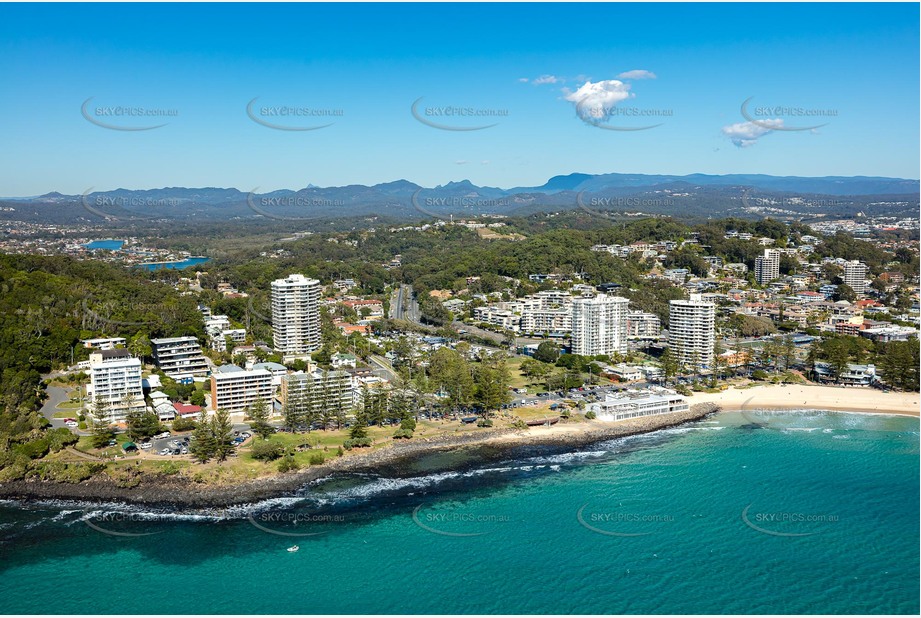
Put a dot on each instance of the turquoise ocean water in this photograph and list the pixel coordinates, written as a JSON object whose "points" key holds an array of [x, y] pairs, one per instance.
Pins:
{"points": [[761, 513]]}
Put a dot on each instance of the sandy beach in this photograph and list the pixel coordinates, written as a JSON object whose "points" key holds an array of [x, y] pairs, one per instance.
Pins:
{"points": [[813, 397]]}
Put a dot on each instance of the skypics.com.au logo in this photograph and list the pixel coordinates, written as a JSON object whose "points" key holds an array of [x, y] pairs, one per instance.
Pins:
{"points": [[606, 207], [293, 523], [767, 116], [102, 205], [624, 521], [785, 523], [461, 206], [125, 117], [457, 523], [292, 117], [455, 117], [276, 207]]}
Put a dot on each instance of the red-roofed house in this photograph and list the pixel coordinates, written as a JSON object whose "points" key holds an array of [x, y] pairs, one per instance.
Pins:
{"points": [[185, 410], [376, 307]]}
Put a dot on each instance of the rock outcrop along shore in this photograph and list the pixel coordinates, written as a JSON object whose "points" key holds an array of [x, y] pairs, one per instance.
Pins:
{"points": [[398, 459]]}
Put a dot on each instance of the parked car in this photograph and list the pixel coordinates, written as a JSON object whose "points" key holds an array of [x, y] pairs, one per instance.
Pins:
{"points": [[72, 424], [165, 452], [145, 445]]}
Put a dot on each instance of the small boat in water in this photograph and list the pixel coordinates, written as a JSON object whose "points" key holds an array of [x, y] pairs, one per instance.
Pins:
{"points": [[293, 548]]}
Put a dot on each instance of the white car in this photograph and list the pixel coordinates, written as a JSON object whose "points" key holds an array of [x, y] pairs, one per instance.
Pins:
{"points": [[71, 424], [145, 445]]}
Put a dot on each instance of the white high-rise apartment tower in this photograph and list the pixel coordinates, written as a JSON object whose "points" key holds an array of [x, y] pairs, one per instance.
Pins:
{"points": [[692, 332], [115, 383], [599, 325], [296, 316], [767, 267], [855, 276]]}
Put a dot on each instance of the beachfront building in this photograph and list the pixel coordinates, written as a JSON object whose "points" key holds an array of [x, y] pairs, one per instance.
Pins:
{"points": [[599, 325], [180, 358], [235, 389], [635, 403], [767, 266], [692, 332], [320, 390], [115, 383], [641, 325], [296, 316], [855, 276]]}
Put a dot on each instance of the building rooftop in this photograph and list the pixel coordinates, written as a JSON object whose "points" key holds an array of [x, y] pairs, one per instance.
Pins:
{"points": [[169, 340], [116, 353]]}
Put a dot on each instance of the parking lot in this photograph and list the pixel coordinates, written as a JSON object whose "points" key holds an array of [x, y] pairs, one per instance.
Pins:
{"points": [[178, 444]]}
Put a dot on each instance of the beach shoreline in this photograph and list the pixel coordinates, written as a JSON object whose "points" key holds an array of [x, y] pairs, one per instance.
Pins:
{"points": [[858, 400], [398, 459]]}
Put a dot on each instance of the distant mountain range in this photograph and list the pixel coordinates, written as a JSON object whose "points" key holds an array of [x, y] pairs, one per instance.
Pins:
{"points": [[694, 195]]}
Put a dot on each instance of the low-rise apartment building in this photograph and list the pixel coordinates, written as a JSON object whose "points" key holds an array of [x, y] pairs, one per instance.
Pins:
{"points": [[180, 358], [632, 404], [235, 389]]}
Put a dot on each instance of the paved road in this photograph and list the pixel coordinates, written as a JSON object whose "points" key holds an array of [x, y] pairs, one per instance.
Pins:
{"points": [[56, 395], [385, 368], [403, 305]]}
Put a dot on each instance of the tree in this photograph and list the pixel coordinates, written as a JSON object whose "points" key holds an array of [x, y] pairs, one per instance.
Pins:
{"points": [[259, 415], [547, 352], [140, 346], [451, 374], [491, 380], [787, 351], [142, 424], [359, 429], [899, 364], [325, 402], [669, 364], [222, 434], [202, 445], [838, 355], [845, 292], [751, 325], [292, 410], [102, 433], [197, 398], [267, 450]]}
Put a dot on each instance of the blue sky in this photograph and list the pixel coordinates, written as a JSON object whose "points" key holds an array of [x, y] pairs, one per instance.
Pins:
{"points": [[555, 80]]}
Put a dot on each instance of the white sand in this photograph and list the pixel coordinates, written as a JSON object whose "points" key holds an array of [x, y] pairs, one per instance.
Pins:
{"points": [[854, 399]]}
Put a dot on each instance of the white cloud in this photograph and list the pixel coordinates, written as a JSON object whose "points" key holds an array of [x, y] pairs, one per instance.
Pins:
{"points": [[485, 162], [546, 79], [461, 162], [637, 74], [595, 100], [745, 134], [523, 79]]}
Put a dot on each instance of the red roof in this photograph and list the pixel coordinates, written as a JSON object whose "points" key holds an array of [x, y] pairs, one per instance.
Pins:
{"points": [[184, 409]]}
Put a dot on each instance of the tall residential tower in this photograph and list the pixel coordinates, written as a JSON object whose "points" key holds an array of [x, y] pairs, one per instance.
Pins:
{"points": [[296, 316], [599, 325], [692, 332]]}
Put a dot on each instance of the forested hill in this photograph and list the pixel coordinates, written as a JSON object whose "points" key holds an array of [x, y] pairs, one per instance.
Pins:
{"points": [[47, 304]]}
